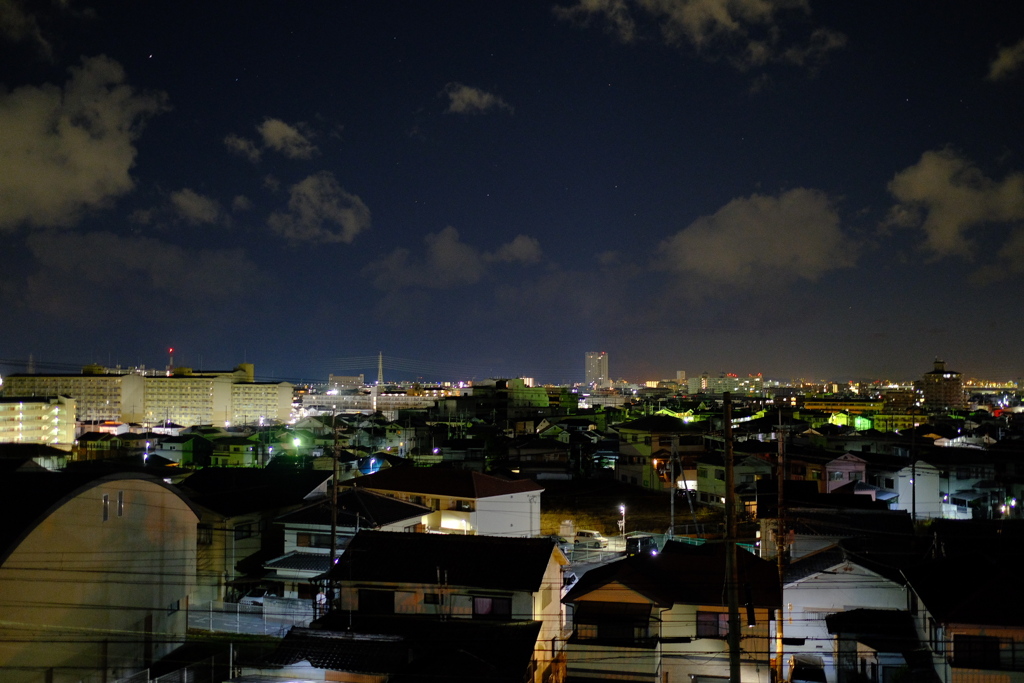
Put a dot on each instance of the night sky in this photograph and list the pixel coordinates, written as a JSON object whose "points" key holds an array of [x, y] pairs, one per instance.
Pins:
{"points": [[492, 188]]}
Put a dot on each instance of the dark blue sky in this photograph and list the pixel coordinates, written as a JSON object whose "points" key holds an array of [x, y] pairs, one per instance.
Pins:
{"points": [[802, 189]]}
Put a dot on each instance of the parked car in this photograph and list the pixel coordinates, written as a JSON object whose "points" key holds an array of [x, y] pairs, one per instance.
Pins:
{"points": [[588, 538], [564, 545], [641, 544], [255, 596]]}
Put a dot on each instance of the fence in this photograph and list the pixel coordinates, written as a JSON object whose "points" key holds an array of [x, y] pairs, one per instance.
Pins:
{"points": [[273, 618]]}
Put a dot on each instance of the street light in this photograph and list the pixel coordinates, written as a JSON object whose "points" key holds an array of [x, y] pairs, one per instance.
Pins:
{"points": [[622, 522]]}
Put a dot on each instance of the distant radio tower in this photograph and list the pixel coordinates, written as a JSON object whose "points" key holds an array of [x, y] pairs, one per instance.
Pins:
{"points": [[380, 368]]}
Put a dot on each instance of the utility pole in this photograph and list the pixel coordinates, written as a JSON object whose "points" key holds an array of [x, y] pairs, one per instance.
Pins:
{"points": [[732, 571], [334, 493], [672, 487], [780, 551]]}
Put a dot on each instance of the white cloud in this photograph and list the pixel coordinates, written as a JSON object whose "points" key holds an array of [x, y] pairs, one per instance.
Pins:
{"points": [[522, 249], [71, 149], [281, 137], [447, 262], [947, 195], [276, 135], [1008, 61], [759, 239], [746, 32], [320, 210], [243, 147], [463, 99], [241, 203], [194, 207]]}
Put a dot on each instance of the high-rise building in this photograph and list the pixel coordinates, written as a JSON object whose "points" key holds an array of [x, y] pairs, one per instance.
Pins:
{"points": [[943, 389], [595, 368]]}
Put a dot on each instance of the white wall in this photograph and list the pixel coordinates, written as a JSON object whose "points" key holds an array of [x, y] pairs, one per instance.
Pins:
{"points": [[76, 581], [845, 587], [516, 514]]}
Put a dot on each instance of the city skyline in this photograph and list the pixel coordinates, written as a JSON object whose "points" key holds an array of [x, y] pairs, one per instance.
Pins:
{"points": [[800, 189], [407, 370]]}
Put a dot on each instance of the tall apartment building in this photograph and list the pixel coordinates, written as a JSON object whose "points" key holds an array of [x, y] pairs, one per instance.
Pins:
{"points": [[595, 368], [184, 396], [99, 393], [943, 389], [44, 420]]}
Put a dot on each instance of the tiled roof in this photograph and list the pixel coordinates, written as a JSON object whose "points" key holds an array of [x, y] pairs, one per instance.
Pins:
{"points": [[296, 561], [684, 574], [815, 563], [373, 510], [515, 564], [454, 649], [231, 491], [443, 482], [341, 651], [654, 423]]}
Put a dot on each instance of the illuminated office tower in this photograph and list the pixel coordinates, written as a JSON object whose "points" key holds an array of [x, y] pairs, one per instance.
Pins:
{"points": [[595, 369]]}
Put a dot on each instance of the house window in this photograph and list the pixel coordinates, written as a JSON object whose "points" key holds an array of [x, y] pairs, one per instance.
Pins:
{"points": [[856, 476], [712, 624], [120, 503], [492, 608], [245, 531], [586, 631], [204, 534], [431, 598], [304, 540], [889, 483], [835, 476], [376, 601], [720, 475], [106, 507], [702, 472], [975, 652], [814, 475]]}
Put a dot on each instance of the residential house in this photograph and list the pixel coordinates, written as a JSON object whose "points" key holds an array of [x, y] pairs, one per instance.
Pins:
{"points": [[846, 468], [307, 535], [440, 605], [640, 441], [188, 450], [462, 501], [238, 451], [541, 458], [842, 578], [95, 574], [237, 507], [665, 618]]}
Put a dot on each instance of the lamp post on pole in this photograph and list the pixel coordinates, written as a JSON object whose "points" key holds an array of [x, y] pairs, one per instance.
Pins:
{"points": [[622, 522]]}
